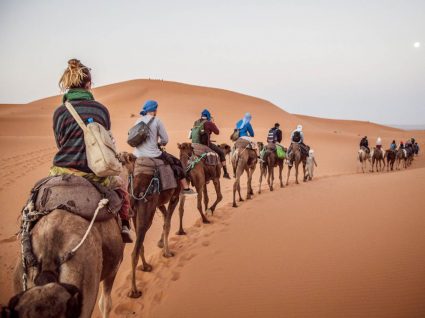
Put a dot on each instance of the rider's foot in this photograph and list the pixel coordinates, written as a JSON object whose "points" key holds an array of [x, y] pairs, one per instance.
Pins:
{"points": [[188, 191], [290, 164], [126, 234]]}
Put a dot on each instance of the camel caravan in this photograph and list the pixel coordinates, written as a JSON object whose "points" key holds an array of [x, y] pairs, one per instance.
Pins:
{"points": [[76, 222], [397, 155]]}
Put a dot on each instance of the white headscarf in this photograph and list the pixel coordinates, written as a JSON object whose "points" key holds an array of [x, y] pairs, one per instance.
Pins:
{"points": [[300, 128]]}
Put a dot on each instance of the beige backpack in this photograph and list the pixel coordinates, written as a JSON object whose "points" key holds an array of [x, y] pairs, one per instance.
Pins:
{"points": [[100, 148]]}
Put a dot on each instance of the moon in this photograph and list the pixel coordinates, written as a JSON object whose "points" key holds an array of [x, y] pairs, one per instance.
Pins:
{"points": [[417, 44]]}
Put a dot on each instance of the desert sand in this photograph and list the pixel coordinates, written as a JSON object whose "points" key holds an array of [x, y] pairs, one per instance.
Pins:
{"points": [[346, 244]]}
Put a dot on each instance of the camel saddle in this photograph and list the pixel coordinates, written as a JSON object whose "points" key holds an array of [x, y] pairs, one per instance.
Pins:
{"points": [[151, 166], [211, 158], [76, 195]]}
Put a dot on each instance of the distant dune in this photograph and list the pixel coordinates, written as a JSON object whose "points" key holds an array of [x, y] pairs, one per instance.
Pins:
{"points": [[344, 245]]}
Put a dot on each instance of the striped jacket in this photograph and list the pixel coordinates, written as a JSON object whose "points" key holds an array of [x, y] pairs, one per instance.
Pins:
{"points": [[70, 137]]}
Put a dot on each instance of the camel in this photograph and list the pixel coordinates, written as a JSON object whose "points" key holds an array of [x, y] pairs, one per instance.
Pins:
{"points": [[270, 161], [244, 159], [401, 156], [98, 259], [390, 155], [144, 210], [364, 157], [199, 176], [378, 158], [298, 158]]}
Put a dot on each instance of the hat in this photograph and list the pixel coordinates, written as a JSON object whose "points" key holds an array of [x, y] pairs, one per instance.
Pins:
{"points": [[205, 113], [150, 106], [300, 128]]}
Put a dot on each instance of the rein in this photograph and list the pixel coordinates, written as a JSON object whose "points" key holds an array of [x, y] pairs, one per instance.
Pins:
{"points": [[152, 188], [192, 163]]}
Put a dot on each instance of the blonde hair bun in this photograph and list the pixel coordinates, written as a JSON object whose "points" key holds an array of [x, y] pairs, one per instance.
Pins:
{"points": [[77, 75]]}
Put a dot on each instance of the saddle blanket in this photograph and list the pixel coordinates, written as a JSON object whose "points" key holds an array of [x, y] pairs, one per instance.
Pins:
{"points": [[211, 158], [76, 195], [148, 166]]}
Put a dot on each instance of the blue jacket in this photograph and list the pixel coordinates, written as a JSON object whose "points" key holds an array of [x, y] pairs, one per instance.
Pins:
{"points": [[246, 130]]}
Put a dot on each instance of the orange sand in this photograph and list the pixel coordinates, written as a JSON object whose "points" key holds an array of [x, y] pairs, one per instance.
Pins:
{"points": [[343, 245]]}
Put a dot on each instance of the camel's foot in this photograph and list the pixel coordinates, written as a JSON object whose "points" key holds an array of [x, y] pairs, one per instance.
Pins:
{"points": [[205, 221], [234, 205], [160, 244], [296, 182], [281, 185], [259, 191], [287, 183], [209, 212], [134, 294], [145, 268], [241, 200], [251, 192], [181, 232], [271, 188], [168, 254]]}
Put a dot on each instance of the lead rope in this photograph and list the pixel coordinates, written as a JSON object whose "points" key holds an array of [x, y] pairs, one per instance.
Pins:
{"points": [[153, 183], [102, 203]]}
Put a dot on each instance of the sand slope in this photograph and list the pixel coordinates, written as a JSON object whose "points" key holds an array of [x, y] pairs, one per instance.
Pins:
{"points": [[262, 259]]}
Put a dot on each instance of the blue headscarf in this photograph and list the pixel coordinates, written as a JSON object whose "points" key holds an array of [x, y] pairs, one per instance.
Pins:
{"points": [[205, 113], [150, 106], [246, 119]]}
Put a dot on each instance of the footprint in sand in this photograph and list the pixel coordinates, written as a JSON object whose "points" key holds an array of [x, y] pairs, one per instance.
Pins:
{"points": [[9, 240], [205, 243], [175, 276]]}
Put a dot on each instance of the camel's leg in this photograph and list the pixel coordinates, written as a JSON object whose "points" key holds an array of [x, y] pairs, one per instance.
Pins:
{"points": [[261, 178], [249, 183], [199, 190], [280, 174], [289, 173], [105, 301], [236, 184], [206, 199], [305, 177], [296, 172], [217, 188], [163, 210], [270, 177], [181, 213], [167, 225], [252, 170]]}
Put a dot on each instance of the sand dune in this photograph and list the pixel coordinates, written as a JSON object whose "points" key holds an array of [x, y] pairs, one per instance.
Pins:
{"points": [[333, 257]]}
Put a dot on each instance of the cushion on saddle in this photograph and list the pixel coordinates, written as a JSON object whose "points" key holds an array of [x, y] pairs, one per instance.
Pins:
{"points": [[211, 158], [148, 166], [76, 195]]}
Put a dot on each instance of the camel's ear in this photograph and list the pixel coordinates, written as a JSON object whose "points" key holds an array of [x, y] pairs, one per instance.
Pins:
{"points": [[74, 304], [13, 302], [179, 146]]}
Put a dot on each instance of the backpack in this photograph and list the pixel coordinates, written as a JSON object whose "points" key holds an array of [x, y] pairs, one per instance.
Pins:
{"points": [[235, 135], [296, 137], [280, 152], [272, 136], [197, 131], [101, 154], [139, 133]]}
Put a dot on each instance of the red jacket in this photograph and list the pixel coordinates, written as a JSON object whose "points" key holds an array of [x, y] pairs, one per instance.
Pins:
{"points": [[209, 128]]}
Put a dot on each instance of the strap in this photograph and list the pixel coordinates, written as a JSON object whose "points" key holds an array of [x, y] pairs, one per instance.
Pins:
{"points": [[77, 117], [150, 121]]}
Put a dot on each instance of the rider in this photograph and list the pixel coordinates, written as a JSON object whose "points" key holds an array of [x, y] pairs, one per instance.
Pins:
{"points": [[71, 157], [275, 134], [393, 146], [379, 143], [210, 127], [150, 148], [297, 136], [245, 128], [401, 146], [365, 143]]}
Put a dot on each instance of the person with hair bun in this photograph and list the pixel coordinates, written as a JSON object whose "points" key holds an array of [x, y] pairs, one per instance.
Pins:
{"points": [[71, 157]]}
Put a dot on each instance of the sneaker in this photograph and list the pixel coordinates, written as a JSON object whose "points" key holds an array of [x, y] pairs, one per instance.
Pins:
{"points": [[126, 234], [188, 191], [226, 175]]}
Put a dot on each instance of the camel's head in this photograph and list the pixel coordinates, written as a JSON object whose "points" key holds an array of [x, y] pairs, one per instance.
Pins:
{"points": [[226, 149], [260, 145], [128, 160], [311, 153], [51, 300], [186, 149]]}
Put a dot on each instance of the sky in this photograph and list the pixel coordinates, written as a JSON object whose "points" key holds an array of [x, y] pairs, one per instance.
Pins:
{"points": [[334, 59]]}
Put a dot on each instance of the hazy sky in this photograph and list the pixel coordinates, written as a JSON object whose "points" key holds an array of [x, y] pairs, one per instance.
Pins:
{"points": [[339, 59]]}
